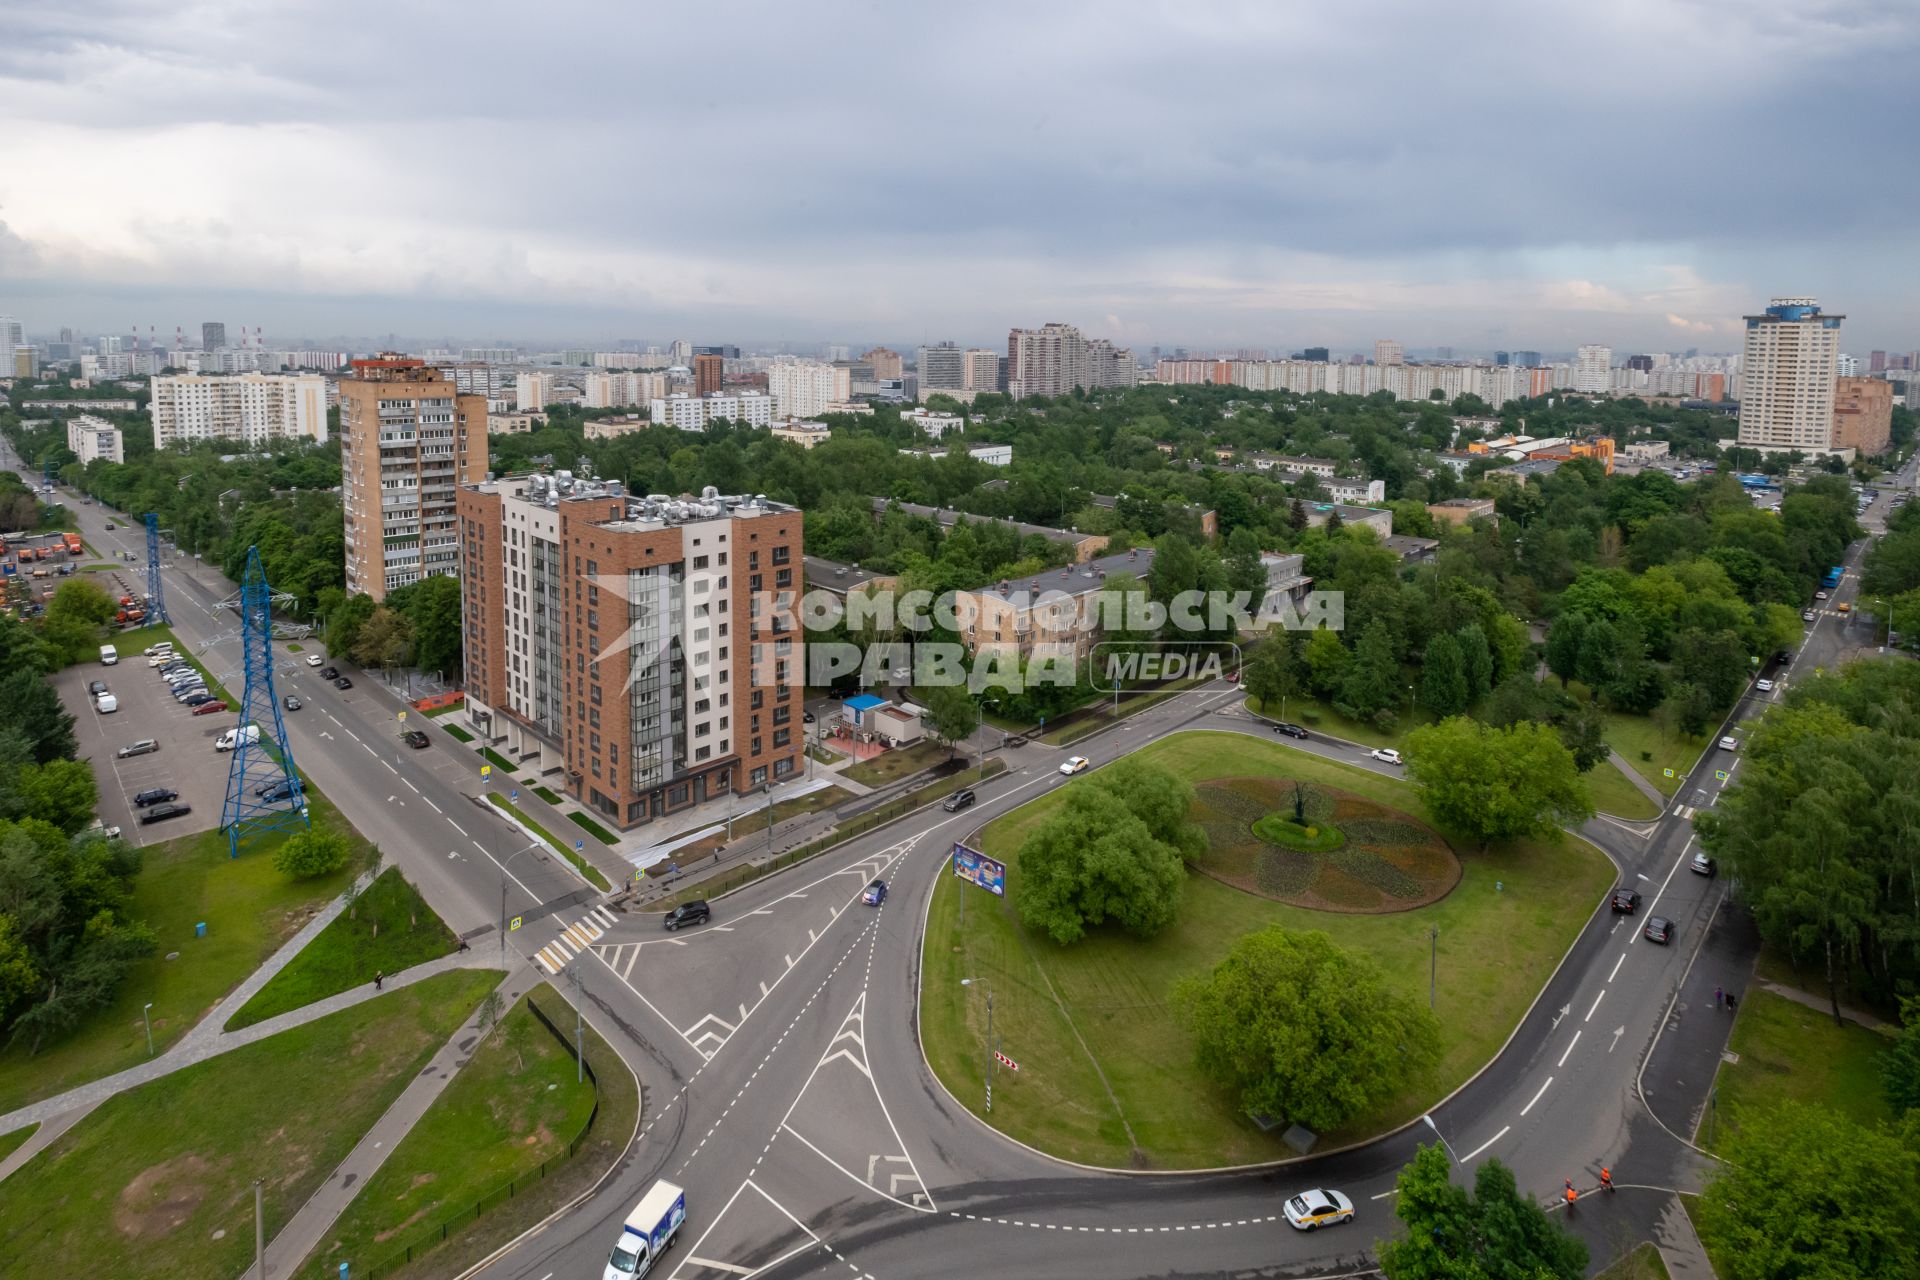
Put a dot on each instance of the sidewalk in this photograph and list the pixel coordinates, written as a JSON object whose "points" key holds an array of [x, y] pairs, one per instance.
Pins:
{"points": [[1679, 1245], [288, 1249], [1647, 789], [1821, 1003]]}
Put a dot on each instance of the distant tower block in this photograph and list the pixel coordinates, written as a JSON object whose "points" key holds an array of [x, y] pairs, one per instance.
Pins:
{"points": [[263, 787]]}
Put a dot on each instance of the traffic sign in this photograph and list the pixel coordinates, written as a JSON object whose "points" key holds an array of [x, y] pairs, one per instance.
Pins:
{"points": [[403, 717], [1005, 1061], [513, 924], [1721, 774], [1667, 772], [486, 771], [513, 793]]}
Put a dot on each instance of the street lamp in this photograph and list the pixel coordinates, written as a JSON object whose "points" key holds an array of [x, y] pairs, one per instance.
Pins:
{"points": [[503, 896], [991, 1047], [1428, 1121], [146, 1016]]}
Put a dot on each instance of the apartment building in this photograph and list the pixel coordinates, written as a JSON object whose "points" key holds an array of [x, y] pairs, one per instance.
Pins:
{"points": [[886, 363], [633, 648], [1787, 377], [253, 408], [532, 392], [622, 390], [407, 440], [694, 413], [709, 371], [804, 388], [1056, 358], [1593, 369], [981, 371], [1386, 351], [1054, 611], [1863, 415], [93, 438]]}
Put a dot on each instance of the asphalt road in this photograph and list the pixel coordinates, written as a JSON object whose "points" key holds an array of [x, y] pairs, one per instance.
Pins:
{"points": [[783, 1080]]}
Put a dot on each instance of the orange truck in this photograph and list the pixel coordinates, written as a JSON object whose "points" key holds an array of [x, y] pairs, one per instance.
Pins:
{"points": [[73, 544]]}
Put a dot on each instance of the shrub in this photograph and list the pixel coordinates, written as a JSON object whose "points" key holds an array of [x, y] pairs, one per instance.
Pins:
{"points": [[311, 854]]}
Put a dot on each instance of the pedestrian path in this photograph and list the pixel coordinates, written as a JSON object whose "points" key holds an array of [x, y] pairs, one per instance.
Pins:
{"points": [[316, 1217], [1821, 1003], [1679, 1244], [1646, 788], [574, 939]]}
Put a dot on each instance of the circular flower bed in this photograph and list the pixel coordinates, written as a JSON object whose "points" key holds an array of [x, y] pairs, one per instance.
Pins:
{"points": [[1363, 857]]}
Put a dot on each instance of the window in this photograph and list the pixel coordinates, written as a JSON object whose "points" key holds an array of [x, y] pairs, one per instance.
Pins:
{"points": [[699, 562], [781, 737]]}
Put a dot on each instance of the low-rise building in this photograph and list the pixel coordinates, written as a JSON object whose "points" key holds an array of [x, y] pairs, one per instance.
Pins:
{"points": [[618, 425], [516, 423], [694, 413], [838, 578], [1380, 520], [1053, 609], [934, 424], [1085, 546], [804, 434], [1463, 510]]}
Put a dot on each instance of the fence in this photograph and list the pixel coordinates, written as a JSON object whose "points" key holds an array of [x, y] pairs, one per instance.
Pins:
{"points": [[433, 1237]]}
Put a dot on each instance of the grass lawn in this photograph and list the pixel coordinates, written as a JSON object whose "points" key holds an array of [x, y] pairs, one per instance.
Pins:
{"points": [[389, 928], [1613, 792], [582, 821], [1059, 1011], [587, 869], [497, 760], [1633, 735], [896, 764], [11, 1142], [812, 802], [1790, 1052], [142, 1185], [295, 648], [447, 710], [249, 910], [1642, 1264], [1321, 718], [1131, 704], [514, 1106], [548, 794], [458, 734]]}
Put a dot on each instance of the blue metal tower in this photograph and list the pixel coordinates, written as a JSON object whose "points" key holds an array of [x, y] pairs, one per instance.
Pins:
{"points": [[263, 788], [156, 592]]}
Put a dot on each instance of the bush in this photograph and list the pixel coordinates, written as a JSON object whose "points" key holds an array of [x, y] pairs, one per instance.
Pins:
{"points": [[311, 854]]}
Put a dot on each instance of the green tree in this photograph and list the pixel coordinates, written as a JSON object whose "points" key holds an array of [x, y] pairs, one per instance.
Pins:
{"points": [[1093, 861], [953, 714], [1754, 1214], [1495, 1234], [1563, 646], [1272, 674], [344, 623], [1900, 1067], [60, 792], [1597, 663], [1327, 661], [432, 609], [1303, 1031], [1372, 688], [385, 639], [31, 707], [1443, 677], [1476, 655], [1497, 784], [308, 855], [1159, 798]]}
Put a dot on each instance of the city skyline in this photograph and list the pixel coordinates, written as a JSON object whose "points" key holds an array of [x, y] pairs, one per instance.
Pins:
{"points": [[1114, 192]]}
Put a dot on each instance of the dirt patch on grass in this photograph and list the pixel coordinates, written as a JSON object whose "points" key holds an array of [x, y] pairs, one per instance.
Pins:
{"points": [[1390, 862], [162, 1197]]}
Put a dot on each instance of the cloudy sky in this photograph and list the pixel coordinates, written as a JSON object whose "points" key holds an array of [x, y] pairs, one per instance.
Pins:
{"points": [[1531, 174]]}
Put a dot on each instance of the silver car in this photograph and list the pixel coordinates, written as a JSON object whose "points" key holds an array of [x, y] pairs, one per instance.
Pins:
{"points": [[139, 748]]}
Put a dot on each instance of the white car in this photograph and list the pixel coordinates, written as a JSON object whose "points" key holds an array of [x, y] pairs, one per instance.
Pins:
{"points": [[1311, 1209], [1074, 764], [1385, 755], [1764, 686], [1807, 616], [314, 659], [1729, 743]]}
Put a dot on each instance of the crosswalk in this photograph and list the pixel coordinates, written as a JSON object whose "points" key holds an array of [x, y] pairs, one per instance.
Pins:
{"points": [[1685, 810], [574, 939]]}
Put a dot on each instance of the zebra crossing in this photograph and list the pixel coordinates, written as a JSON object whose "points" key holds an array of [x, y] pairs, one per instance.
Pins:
{"points": [[574, 939]]}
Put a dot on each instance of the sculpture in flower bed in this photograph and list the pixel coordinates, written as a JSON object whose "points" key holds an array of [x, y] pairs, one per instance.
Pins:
{"points": [[1360, 857]]}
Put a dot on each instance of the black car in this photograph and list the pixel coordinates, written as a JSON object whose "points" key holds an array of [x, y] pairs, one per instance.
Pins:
{"points": [[291, 702], [343, 683], [328, 673], [195, 699], [96, 687], [1659, 929], [695, 912], [278, 789], [959, 800], [154, 795], [161, 812], [806, 717], [1290, 730], [1626, 901], [414, 738]]}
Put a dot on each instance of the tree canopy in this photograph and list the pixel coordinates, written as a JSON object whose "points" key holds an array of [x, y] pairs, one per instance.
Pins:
{"points": [[1493, 784], [1494, 1233]]}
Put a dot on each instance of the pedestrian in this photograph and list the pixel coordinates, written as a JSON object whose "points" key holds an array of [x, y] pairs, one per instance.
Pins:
{"points": [[1572, 1195], [1606, 1177], [1717, 1001], [377, 979], [1730, 1002]]}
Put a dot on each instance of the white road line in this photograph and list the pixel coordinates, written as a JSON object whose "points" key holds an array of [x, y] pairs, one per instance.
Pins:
{"points": [[457, 827], [1536, 1097], [390, 769], [410, 786], [1468, 1158], [1616, 966], [1563, 1057], [694, 1261], [1596, 1004]]}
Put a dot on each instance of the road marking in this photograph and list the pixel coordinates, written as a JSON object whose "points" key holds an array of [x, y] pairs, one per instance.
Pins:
{"points": [[1468, 1158], [1537, 1096], [1616, 966], [1382, 1196], [456, 826], [410, 785], [431, 805], [695, 1261], [1596, 1004], [1564, 1056]]}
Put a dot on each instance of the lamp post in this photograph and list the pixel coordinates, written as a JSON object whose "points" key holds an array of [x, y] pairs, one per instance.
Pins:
{"points": [[991, 1047], [503, 896], [1445, 1145], [146, 1016], [769, 791]]}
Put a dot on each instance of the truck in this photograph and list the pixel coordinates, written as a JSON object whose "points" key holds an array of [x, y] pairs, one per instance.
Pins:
{"points": [[648, 1232], [73, 544]]}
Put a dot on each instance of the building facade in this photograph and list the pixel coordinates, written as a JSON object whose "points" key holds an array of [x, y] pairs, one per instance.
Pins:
{"points": [[93, 438], [1593, 369], [640, 650], [694, 413], [886, 363], [709, 372], [1386, 351], [213, 335], [804, 388], [251, 407], [1056, 358], [1787, 377], [1863, 415], [621, 390], [408, 439], [532, 392], [942, 367]]}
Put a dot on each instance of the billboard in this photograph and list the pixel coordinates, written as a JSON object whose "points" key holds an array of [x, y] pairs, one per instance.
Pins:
{"points": [[977, 868]]}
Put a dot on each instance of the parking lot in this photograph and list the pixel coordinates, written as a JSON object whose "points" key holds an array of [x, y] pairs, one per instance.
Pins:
{"points": [[186, 761]]}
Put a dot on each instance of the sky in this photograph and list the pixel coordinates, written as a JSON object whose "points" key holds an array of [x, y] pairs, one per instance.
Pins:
{"points": [[1528, 175]]}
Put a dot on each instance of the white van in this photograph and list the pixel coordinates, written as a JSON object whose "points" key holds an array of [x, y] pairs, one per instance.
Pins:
{"points": [[106, 704], [108, 655], [648, 1232], [231, 738]]}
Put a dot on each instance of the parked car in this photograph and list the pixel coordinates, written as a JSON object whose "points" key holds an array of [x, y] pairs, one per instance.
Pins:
{"points": [[1290, 730], [96, 687], [695, 912], [414, 738], [154, 795], [876, 893], [213, 708], [314, 659], [1764, 686], [292, 702], [1729, 743], [961, 799], [140, 748], [106, 704], [1074, 764], [1659, 929], [197, 699], [278, 789], [342, 683], [1313, 1209], [806, 717], [154, 650], [329, 673], [161, 812], [1626, 901], [1385, 755], [1702, 865]]}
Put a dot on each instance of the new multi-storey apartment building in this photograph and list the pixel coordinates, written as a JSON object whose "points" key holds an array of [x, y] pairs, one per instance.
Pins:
{"points": [[709, 372], [643, 650], [1787, 377], [619, 390], [693, 413], [1863, 415], [250, 407], [804, 388], [1056, 358], [407, 439], [886, 363], [532, 392], [982, 370]]}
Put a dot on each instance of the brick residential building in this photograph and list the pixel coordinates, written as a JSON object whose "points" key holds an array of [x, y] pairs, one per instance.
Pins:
{"points": [[615, 642], [1863, 415]]}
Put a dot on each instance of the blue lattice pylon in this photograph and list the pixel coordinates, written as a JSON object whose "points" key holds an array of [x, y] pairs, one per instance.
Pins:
{"points": [[156, 591], [263, 787]]}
